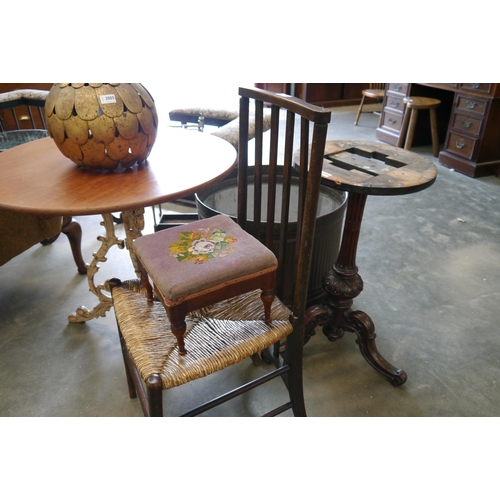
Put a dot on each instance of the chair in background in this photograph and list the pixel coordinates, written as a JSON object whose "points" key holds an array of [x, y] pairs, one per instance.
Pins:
{"points": [[30, 101], [228, 324], [21, 231], [226, 119], [376, 92]]}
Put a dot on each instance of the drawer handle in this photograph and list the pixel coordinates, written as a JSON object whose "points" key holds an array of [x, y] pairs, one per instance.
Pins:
{"points": [[24, 118], [460, 145], [392, 121], [466, 124], [475, 85], [470, 104], [397, 87], [394, 104]]}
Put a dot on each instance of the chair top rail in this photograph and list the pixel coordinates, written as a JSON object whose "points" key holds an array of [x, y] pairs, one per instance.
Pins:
{"points": [[313, 113]]}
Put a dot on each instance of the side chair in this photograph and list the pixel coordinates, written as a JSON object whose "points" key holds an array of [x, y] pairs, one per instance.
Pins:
{"points": [[216, 283]]}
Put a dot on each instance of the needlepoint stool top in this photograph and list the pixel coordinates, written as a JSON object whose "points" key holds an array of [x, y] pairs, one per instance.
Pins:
{"points": [[184, 260]]}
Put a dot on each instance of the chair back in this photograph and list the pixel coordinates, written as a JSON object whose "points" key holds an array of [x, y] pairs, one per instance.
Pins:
{"points": [[268, 182], [377, 86], [26, 107]]}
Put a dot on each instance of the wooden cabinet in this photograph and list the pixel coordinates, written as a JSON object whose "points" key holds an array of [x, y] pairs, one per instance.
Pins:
{"points": [[393, 107], [472, 146], [321, 94], [21, 112], [330, 94], [280, 88], [467, 120]]}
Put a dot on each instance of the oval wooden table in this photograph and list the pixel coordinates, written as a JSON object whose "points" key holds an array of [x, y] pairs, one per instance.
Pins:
{"points": [[362, 169], [36, 178]]}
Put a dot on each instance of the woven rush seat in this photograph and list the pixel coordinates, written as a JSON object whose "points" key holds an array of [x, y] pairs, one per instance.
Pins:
{"points": [[216, 336], [203, 262]]}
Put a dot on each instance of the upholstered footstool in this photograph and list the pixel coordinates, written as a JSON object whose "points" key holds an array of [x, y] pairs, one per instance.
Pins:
{"points": [[202, 263], [226, 119]]}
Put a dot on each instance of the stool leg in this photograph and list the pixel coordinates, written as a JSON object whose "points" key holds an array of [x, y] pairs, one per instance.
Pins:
{"points": [[411, 129], [360, 109], [404, 128], [434, 132]]}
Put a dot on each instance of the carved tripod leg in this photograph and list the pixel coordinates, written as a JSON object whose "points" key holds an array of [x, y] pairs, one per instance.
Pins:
{"points": [[343, 284], [364, 328]]}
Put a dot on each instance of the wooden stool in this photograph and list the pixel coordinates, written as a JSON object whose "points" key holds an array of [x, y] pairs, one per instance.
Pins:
{"points": [[413, 104], [376, 94]]}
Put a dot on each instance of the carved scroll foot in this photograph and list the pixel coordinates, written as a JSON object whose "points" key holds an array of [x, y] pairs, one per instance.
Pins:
{"points": [[363, 326]]}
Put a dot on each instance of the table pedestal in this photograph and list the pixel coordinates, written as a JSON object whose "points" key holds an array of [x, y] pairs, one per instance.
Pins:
{"points": [[133, 221], [343, 284]]}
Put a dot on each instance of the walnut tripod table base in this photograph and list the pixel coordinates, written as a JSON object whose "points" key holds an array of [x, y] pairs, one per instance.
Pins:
{"points": [[343, 284], [362, 169]]}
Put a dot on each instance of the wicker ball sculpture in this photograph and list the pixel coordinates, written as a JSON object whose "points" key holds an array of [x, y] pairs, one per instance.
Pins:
{"points": [[102, 125]]}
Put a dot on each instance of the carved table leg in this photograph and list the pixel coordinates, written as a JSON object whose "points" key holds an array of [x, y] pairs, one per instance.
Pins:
{"points": [[134, 224], [342, 284]]}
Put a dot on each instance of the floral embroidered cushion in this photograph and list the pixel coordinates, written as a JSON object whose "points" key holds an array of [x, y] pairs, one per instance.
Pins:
{"points": [[200, 255]]}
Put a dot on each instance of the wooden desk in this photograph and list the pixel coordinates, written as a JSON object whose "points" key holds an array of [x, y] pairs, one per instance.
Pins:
{"points": [[468, 117], [362, 169], [36, 178]]}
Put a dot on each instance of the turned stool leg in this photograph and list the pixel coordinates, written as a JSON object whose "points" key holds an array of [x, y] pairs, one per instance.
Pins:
{"points": [[434, 132], [411, 129], [360, 109], [404, 128]]}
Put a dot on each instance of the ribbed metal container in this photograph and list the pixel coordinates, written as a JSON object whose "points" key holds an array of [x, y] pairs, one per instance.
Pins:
{"points": [[222, 199]]}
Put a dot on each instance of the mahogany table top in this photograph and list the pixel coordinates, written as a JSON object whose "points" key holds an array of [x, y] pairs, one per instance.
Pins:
{"points": [[375, 169], [37, 178]]}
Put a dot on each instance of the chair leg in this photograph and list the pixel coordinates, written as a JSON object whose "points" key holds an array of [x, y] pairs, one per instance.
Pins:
{"points": [[295, 382], [73, 231], [360, 109], [434, 132], [132, 393], [154, 392]]}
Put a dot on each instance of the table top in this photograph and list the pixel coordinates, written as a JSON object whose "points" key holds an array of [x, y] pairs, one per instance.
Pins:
{"points": [[37, 178], [375, 169]]}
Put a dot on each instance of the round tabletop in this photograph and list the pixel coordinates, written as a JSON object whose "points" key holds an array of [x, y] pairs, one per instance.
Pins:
{"points": [[375, 169], [37, 178]]}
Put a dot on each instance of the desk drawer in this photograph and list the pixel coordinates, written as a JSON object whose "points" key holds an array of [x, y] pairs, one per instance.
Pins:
{"points": [[466, 124], [400, 88], [471, 104], [478, 87], [460, 145], [395, 103], [392, 121]]}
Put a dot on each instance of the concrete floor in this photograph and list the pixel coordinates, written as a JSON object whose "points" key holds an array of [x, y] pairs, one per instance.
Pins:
{"points": [[431, 268]]}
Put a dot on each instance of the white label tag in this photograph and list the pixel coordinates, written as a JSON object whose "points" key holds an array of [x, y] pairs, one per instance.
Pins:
{"points": [[108, 99]]}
